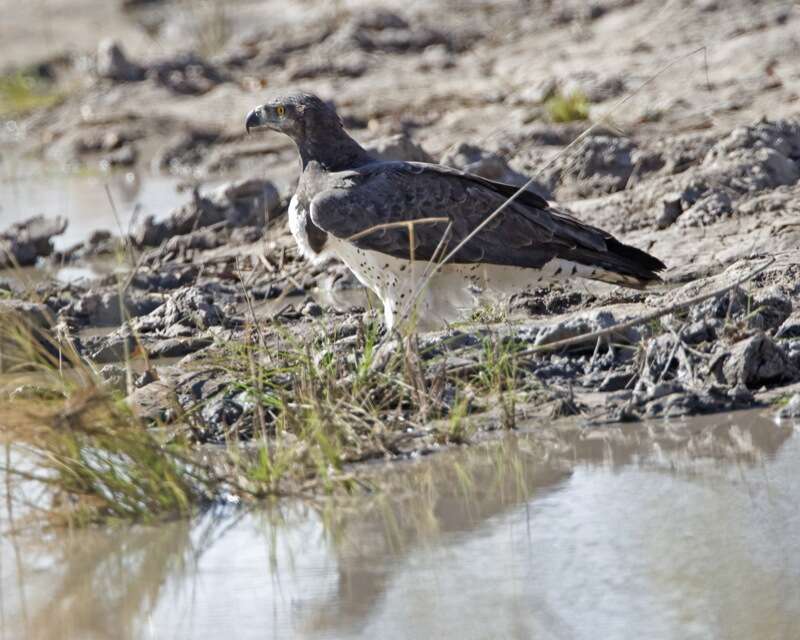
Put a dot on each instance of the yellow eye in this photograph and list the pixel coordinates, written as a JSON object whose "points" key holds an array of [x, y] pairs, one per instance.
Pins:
{"points": [[280, 110]]}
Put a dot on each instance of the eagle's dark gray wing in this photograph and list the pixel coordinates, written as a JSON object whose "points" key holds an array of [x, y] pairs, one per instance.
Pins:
{"points": [[528, 233]]}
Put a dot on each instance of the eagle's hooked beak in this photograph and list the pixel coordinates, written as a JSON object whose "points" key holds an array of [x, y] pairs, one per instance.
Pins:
{"points": [[255, 119]]}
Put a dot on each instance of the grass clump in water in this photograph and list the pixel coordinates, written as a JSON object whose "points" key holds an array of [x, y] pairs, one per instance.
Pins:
{"points": [[76, 439], [313, 400], [568, 108]]}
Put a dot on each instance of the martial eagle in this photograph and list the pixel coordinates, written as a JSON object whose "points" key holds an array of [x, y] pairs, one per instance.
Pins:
{"points": [[352, 206]]}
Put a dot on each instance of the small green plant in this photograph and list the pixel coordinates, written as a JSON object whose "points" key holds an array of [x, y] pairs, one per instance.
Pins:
{"points": [[459, 429], [781, 401], [490, 313], [568, 108], [498, 375], [21, 93]]}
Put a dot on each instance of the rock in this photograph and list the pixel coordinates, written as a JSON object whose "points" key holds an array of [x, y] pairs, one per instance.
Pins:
{"points": [[436, 57], [103, 308], [700, 331], [473, 159], [311, 309], [119, 344], [165, 277], [235, 204], [151, 232], [790, 327], [153, 402], [792, 348], [586, 324], [791, 409], [707, 210], [114, 375], [35, 392], [724, 307], [31, 314], [757, 361], [247, 202], [594, 87], [179, 330], [672, 208], [536, 93], [186, 74], [221, 411], [660, 358], [191, 308], [687, 403], [202, 239], [398, 147], [24, 319], [782, 136], [380, 19], [663, 389], [100, 242], [24, 242], [381, 34], [770, 308], [349, 65], [558, 369], [125, 156], [740, 394], [112, 348], [178, 347], [99, 236], [129, 5], [113, 64], [185, 150], [200, 386], [617, 380], [758, 157], [146, 377], [599, 165]]}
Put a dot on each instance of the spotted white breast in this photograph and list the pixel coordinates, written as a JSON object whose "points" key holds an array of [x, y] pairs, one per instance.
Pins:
{"points": [[452, 292]]}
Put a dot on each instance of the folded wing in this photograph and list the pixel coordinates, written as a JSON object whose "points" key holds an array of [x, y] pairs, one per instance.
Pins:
{"points": [[366, 205]]}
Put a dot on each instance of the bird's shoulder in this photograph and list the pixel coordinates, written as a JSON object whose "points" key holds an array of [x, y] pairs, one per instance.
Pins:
{"points": [[414, 181]]}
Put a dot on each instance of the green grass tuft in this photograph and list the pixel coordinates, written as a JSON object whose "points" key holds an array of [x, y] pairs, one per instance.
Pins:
{"points": [[568, 108], [21, 94]]}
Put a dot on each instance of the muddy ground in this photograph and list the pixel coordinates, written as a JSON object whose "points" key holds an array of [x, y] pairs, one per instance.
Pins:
{"points": [[700, 166]]}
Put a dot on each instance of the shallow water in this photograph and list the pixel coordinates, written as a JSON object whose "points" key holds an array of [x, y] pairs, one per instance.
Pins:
{"points": [[681, 530], [26, 190]]}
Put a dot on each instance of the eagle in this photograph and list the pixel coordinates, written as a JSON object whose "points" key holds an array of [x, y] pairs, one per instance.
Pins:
{"points": [[386, 220]]}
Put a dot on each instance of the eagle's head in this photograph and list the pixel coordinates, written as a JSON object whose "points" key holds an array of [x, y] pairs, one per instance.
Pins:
{"points": [[315, 128], [298, 115]]}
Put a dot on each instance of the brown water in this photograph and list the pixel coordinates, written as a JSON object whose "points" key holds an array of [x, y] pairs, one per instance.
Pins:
{"points": [[27, 190], [668, 530]]}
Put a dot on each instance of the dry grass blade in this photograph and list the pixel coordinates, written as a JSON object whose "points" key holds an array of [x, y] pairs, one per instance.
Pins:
{"points": [[409, 224], [122, 234]]}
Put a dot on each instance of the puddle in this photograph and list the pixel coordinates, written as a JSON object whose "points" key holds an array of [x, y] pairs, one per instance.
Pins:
{"points": [[27, 278], [27, 189], [666, 530]]}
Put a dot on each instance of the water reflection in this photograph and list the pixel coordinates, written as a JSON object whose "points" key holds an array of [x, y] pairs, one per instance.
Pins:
{"points": [[28, 189], [684, 530]]}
